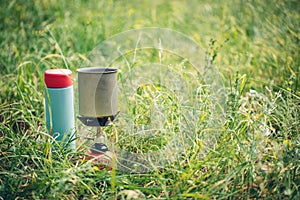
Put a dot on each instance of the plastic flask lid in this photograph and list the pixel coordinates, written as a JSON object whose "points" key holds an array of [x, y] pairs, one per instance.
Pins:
{"points": [[58, 78]]}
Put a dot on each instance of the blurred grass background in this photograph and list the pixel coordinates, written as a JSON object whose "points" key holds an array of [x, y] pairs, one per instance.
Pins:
{"points": [[255, 45]]}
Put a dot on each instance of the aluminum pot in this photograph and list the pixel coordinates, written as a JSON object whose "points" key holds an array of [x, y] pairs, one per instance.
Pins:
{"points": [[97, 88]]}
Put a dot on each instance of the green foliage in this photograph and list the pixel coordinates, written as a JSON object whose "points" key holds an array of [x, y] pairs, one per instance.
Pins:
{"points": [[254, 45]]}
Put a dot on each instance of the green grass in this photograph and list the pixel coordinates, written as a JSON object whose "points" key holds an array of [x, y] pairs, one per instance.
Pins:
{"points": [[254, 45]]}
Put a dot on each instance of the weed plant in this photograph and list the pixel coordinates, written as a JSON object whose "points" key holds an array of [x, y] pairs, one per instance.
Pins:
{"points": [[253, 44]]}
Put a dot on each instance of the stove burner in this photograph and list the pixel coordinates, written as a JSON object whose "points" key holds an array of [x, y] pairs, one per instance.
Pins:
{"points": [[97, 121]]}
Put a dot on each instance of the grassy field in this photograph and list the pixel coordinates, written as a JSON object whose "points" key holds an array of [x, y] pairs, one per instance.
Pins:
{"points": [[256, 148]]}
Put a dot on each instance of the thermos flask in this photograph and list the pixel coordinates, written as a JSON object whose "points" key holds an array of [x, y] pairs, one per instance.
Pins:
{"points": [[59, 106]]}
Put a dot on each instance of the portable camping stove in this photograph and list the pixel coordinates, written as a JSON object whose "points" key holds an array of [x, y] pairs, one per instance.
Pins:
{"points": [[97, 89]]}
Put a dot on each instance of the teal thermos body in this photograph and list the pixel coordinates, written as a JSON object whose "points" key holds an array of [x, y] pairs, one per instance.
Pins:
{"points": [[59, 106]]}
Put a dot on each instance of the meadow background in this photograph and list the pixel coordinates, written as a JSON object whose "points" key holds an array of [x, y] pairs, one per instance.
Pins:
{"points": [[254, 45]]}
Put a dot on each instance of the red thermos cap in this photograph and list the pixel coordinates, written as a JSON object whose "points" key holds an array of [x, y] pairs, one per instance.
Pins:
{"points": [[58, 78]]}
